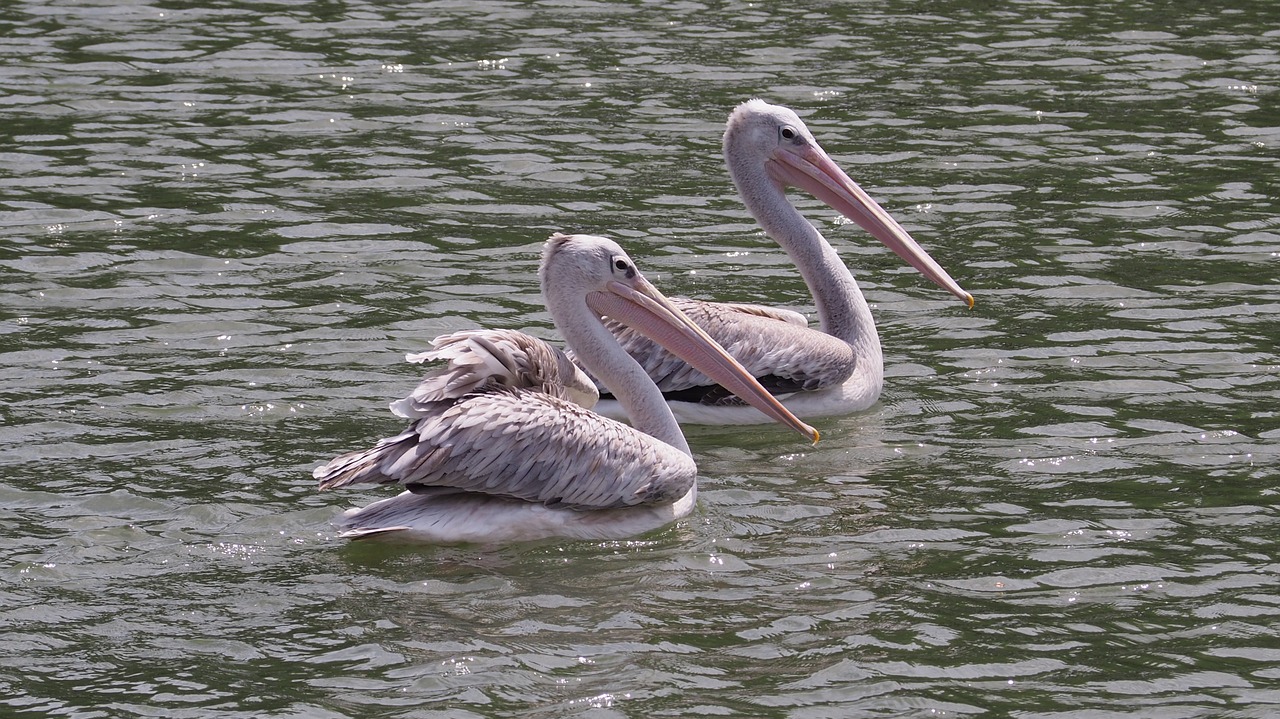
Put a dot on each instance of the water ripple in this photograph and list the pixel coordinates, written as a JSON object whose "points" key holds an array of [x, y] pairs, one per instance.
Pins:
{"points": [[224, 226]]}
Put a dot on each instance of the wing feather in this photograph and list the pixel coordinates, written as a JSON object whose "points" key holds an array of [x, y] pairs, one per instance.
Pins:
{"points": [[478, 360], [525, 445], [776, 346], [777, 313]]}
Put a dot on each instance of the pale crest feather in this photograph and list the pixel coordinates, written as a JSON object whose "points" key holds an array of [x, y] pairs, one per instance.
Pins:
{"points": [[479, 360]]}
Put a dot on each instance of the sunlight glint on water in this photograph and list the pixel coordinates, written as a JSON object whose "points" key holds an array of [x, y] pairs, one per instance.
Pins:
{"points": [[222, 228]]}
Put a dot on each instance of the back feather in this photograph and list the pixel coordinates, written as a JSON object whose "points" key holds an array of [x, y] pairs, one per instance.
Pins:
{"points": [[482, 360]]}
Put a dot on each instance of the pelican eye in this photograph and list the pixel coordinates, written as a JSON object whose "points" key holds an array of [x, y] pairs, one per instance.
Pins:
{"points": [[622, 265], [789, 133]]}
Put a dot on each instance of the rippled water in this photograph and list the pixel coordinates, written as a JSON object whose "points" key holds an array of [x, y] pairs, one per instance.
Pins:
{"points": [[221, 227]]}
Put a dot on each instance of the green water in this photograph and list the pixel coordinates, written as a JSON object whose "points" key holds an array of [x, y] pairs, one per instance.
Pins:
{"points": [[223, 225]]}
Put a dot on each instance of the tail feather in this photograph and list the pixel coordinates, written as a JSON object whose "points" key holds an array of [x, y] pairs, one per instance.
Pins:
{"points": [[366, 532], [364, 466]]}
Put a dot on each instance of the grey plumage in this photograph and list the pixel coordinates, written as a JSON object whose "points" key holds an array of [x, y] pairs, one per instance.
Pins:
{"points": [[479, 360], [505, 417], [836, 367], [501, 446], [795, 358]]}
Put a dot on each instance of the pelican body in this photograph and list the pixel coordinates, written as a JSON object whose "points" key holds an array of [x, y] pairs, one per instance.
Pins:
{"points": [[834, 369], [502, 445]]}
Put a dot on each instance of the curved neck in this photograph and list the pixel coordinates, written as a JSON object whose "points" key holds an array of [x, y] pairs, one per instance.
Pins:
{"points": [[600, 352], [842, 310]]}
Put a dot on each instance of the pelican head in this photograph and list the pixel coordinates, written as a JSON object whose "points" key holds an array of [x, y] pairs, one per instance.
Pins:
{"points": [[769, 144]]}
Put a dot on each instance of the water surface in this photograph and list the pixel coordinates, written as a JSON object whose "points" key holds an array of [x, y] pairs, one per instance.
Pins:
{"points": [[222, 226]]}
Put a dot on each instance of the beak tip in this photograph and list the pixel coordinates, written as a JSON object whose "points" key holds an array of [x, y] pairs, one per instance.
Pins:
{"points": [[968, 299]]}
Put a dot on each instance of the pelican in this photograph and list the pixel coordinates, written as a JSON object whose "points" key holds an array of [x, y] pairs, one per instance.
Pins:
{"points": [[503, 447], [835, 369]]}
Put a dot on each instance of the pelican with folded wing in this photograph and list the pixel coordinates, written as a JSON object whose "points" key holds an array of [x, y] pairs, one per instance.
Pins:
{"points": [[834, 369], [502, 445]]}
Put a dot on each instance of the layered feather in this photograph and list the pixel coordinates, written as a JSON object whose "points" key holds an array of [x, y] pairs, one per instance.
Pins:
{"points": [[507, 416]]}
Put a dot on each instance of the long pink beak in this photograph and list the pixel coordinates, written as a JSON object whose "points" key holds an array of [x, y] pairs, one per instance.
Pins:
{"points": [[813, 171], [642, 307]]}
